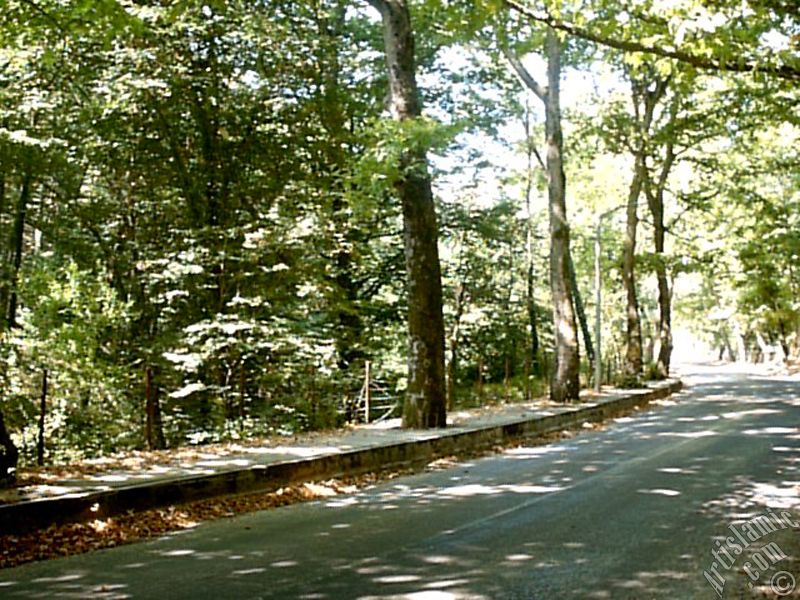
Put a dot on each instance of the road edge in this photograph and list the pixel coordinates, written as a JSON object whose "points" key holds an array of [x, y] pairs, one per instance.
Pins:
{"points": [[22, 517]]}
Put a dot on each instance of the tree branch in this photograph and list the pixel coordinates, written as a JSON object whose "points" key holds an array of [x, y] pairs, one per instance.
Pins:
{"points": [[538, 157], [783, 71], [524, 75]]}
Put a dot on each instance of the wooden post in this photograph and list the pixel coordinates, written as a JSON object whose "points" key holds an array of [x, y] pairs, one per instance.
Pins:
{"points": [[42, 413], [367, 391]]}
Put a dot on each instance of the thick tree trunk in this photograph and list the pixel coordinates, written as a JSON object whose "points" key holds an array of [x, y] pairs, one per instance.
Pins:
{"points": [[645, 100], [564, 381], [665, 319], [425, 402], [564, 385], [655, 201], [633, 331]]}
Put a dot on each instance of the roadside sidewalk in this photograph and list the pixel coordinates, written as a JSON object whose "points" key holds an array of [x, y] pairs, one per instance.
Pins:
{"points": [[240, 468]]}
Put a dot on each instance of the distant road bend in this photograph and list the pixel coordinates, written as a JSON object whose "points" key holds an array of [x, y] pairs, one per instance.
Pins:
{"points": [[633, 510]]}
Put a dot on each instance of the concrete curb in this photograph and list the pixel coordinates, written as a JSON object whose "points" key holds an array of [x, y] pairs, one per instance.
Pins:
{"points": [[38, 514]]}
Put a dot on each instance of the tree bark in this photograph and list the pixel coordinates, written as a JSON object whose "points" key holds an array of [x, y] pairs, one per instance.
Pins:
{"points": [[565, 385], [655, 201], [645, 99], [564, 381], [425, 400], [633, 331]]}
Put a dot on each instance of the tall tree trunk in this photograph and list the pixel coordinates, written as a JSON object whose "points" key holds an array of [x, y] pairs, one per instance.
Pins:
{"points": [[633, 331], [564, 385], [646, 94], [425, 402], [665, 316], [564, 381], [655, 201]]}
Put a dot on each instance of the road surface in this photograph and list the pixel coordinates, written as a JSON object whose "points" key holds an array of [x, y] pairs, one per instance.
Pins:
{"points": [[633, 510]]}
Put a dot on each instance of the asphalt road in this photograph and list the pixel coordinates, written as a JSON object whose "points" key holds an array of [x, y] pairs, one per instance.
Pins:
{"points": [[633, 510]]}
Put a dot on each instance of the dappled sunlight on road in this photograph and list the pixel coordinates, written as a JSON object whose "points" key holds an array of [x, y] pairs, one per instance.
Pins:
{"points": [[753, 411], [771, 431], [689, 434], [474, 489], [661, 492], [525, 452]]}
